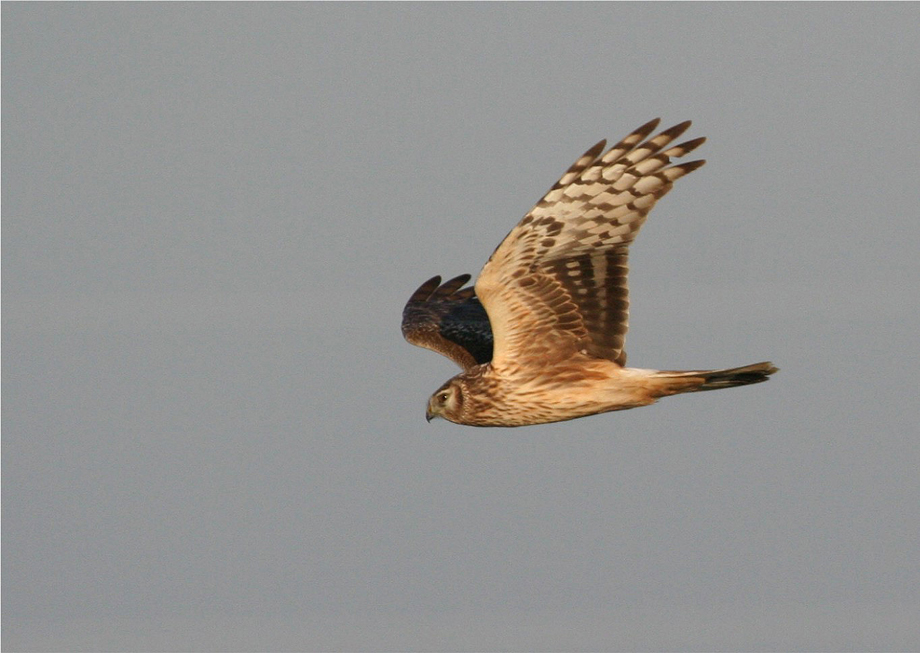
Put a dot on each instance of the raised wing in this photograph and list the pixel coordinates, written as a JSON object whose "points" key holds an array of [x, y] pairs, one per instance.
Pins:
{"points": [[557, 283], [450, 321]]}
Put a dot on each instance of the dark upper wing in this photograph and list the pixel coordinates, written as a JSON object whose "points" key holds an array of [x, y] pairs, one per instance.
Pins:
{"points": [[450, 321]]}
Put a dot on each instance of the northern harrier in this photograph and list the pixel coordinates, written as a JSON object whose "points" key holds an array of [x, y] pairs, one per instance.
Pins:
{"points": [[540, 338]]}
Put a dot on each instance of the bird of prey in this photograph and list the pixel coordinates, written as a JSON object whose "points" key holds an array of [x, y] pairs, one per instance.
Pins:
{"points": [[540, 337]]}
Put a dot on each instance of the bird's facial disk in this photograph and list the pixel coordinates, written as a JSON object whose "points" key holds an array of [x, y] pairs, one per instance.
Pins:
{"points": [[444, 402]]}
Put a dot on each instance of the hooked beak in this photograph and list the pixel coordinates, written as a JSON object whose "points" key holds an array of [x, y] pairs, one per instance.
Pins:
{"points": [[429, 415]]}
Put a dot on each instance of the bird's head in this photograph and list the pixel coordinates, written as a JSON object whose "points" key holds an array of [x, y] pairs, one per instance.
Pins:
{"points": [[446, 402]]}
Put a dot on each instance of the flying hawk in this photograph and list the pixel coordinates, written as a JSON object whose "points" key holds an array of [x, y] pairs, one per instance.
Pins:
{"points": [[540, 338]]}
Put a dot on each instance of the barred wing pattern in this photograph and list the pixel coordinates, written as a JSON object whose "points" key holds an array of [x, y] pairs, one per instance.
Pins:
{"points": [[450, 321], [557, 284]]}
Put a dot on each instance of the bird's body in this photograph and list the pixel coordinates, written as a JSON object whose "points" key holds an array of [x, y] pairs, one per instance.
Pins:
{"points": [[517, 397], [541, 337]]}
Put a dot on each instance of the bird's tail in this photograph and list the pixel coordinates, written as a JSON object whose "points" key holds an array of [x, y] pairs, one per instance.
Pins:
{"points": [[676, 382]]}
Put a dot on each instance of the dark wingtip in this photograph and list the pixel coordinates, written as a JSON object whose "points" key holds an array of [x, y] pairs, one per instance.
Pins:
{"points": [[595, 151], [676, 130], [690, 166], [424, 291], [448, 287], [648, 127], [690, 145]]}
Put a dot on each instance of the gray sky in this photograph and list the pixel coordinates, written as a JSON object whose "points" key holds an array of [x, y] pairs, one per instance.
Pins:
{"points": [[214, 433]]}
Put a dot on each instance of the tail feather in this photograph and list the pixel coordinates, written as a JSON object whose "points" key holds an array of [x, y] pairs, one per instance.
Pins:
{"points": [[700, 380]]}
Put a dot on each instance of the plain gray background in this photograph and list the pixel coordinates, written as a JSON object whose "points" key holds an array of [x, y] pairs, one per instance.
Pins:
{"points": [[214, 433]]}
